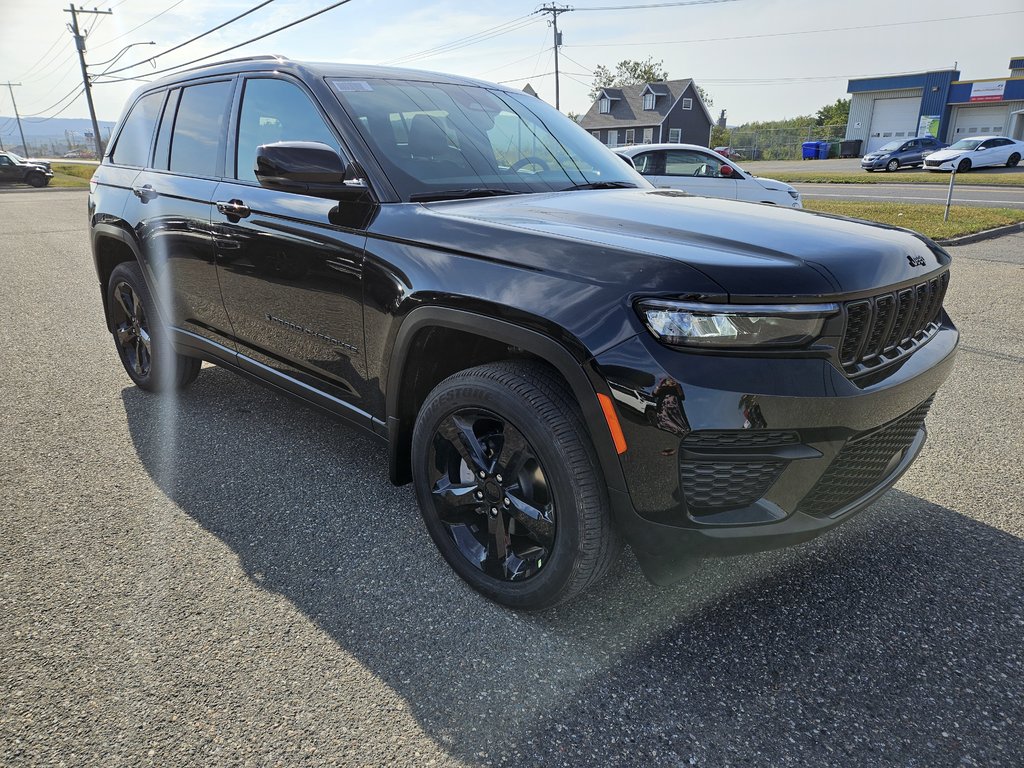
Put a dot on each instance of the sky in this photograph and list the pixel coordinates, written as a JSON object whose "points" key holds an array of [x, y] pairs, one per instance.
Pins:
{"points": [[759, 59]]}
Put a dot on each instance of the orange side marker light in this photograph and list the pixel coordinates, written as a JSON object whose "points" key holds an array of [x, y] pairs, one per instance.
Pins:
{"points": [[613, 423]]}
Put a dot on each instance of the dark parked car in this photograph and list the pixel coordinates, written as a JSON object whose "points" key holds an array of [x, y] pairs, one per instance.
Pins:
{"points": [[559, 356], [900, 154], [14, 168]]}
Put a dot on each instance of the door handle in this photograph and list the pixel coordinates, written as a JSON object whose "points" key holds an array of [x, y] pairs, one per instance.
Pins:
{"points": [[145, 193], [233, 209]]}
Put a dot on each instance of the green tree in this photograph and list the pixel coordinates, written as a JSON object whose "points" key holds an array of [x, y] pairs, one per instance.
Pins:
{"points": [[628, 72], [706, 97], [720, 137], [834, 114]]}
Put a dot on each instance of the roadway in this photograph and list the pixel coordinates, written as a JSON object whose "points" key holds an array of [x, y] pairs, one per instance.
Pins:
{"points": [[963, 194]]}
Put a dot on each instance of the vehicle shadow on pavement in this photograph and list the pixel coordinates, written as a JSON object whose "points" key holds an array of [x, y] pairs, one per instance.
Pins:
{"points": [[894, 640]]}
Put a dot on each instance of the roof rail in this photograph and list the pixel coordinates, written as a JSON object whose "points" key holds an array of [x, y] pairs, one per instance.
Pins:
{"points": [[262, 57]]}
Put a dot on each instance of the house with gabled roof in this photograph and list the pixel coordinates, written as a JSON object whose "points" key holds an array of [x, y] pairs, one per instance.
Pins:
{"points": [[650, 113]]}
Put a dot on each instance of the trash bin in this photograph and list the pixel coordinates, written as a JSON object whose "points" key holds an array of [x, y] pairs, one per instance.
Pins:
{"points": [[810, 150], [850, 148], [823, 148]]}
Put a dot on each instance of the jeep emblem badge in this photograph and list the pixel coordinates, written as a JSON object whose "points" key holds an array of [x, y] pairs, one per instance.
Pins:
{"points": [[916, 261]]}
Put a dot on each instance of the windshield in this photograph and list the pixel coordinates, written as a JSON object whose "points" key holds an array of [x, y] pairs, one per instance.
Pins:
{"points": [[965, 144], [16, 158], [892, 146], [439, 140]]}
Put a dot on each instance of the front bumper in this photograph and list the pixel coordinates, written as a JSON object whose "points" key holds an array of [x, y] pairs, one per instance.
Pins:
{"points": [[873, 164], [946, 165], [712, 469]]}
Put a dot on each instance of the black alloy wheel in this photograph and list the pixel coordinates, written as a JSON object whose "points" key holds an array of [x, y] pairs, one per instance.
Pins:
{"points": [[1013, 160], [510, 487], [491, 494], [892, 165], [141, 343], [963, 166]]}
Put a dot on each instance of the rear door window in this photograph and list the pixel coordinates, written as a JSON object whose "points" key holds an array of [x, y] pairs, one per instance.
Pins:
{"points": [[197, 139], [134, 140]]}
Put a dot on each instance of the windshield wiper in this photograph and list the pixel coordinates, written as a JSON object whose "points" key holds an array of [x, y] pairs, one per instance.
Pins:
{"points": [[601, 185], [460, 194]]}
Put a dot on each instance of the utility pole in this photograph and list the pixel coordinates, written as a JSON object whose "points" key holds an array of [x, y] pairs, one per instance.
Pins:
{"points": [[80, 46], [24, 145], [555, 10]]}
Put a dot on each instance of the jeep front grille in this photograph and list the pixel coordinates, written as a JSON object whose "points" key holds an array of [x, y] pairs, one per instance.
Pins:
{"points": [[884, 328]]}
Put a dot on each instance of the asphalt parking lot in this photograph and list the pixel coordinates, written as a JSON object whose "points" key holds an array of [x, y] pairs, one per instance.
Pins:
{"points": [[225, 578]]}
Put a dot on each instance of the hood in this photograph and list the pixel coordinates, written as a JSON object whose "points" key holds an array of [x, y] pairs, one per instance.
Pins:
{"points": [[749, 250], [772, 184], [947, 154]]}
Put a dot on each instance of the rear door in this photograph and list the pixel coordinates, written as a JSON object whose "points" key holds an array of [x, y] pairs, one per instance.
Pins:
{"points": [[169, 208]]}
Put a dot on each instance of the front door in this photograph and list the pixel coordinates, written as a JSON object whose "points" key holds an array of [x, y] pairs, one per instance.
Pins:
{"points": [[291, 279]]}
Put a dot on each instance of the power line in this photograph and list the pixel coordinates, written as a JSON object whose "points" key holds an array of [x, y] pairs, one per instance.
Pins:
{"points": [[250, 40], [56, 103], [62, 110], [197, 37], [803, 32], [463, 42], [171, 7], [652, 5], [53, 45]]}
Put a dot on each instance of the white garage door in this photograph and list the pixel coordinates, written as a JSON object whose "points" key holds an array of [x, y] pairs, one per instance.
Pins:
{"points": [[979, 121], [893, 119]]}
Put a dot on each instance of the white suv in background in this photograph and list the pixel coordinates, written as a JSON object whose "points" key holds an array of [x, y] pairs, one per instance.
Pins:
{"points": [[702, 171]]}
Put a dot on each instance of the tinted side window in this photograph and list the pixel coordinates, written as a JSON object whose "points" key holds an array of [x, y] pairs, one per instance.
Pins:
{"points": [[199, 129], [272, 111], [648, 163], [163, 134], [133, 142]]}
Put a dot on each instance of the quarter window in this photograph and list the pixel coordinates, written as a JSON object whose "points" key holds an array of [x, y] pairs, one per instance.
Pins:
{"points": [[133, 142], [199, 129], [276, 110]]}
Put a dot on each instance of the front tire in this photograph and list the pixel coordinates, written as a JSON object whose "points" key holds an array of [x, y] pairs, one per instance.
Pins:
{"points": [[36, 180], [141, 341], [892, 165], [964, 166], [1013, 160], [510, 487]]}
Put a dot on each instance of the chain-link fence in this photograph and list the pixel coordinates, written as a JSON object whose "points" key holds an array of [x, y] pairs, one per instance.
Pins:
{"points": [[783, 143]]}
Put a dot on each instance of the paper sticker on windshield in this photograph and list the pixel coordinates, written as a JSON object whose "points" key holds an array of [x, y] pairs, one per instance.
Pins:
{"points": [[351, 85]]}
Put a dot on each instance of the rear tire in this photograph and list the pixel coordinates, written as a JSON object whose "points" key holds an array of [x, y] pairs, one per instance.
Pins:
{"points": [[36, 180], [1013, 160], [510, 487], [141, 340]]}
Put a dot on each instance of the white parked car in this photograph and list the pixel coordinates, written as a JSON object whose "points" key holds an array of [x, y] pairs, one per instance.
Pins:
{"points": [[702, 171], [976, 152]]}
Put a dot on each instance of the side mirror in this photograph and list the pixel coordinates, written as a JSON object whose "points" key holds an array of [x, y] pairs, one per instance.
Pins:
{"points": [[309, 167]]}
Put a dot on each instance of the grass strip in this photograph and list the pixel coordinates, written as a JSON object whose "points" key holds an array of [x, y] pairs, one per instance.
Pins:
{"points": [[923, 218], [71, 175], [912, 177]]}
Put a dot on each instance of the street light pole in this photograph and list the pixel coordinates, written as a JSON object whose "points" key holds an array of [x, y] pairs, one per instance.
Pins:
{"points": [[80, 46]]}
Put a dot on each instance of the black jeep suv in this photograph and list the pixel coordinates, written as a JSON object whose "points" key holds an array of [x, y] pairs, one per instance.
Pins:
{"points": [[559, 356]]}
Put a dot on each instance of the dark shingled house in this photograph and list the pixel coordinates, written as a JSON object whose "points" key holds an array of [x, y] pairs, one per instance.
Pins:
{"points": [[653, 113]]}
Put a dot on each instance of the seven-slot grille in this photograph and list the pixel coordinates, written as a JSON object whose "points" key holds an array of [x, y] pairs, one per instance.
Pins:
{"points": [[883, 328], [863, 463]]}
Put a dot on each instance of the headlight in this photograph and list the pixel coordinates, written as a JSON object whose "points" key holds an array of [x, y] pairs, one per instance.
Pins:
{"points": [[725, 325], [794, 194], [881, 157]]}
